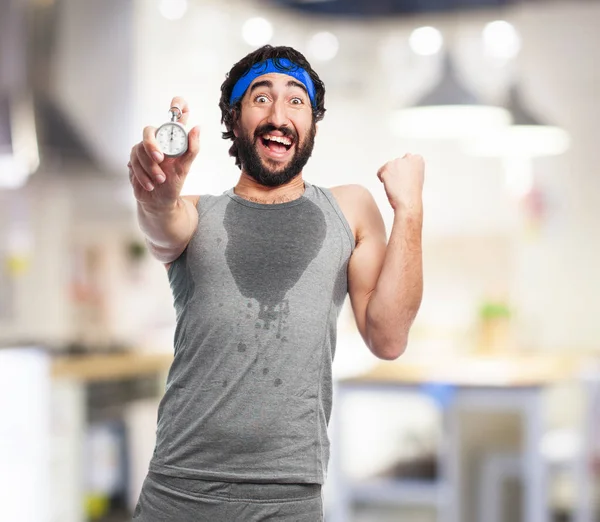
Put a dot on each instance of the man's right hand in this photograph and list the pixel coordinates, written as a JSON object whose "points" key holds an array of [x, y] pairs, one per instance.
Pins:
{"points": [[157, 179]]}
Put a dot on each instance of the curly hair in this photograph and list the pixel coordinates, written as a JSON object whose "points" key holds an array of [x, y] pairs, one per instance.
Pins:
{"points": [[230, 113]]}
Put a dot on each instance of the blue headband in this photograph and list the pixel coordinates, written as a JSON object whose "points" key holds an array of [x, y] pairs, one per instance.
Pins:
{"points": [[279, 65]]}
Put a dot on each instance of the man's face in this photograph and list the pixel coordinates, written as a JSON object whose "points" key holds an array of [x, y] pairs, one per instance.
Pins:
{"points": [[275, 132]]}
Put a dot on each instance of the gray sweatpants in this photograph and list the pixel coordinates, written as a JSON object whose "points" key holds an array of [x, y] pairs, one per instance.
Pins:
{"points": [[169, 499]]}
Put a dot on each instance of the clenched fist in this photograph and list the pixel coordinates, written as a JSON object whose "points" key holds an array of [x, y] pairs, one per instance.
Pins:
{"points": [[155, 178], [403, 181]]}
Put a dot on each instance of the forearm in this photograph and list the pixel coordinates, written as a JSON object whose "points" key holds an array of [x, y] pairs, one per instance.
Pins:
{"points": [[396, 299], [167, 228]]}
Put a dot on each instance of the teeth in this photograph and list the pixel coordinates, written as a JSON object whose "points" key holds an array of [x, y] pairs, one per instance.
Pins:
{"points": [[279, 139]]}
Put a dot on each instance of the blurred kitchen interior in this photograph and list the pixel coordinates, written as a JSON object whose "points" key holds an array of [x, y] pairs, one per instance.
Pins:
{"points": [[510, 255]]}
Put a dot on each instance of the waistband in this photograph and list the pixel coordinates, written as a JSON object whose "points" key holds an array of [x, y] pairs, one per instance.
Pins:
{"points": [[232, 491]]}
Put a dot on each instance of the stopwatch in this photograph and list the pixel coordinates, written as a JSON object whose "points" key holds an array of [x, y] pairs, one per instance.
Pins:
{"points": [[172, 137]]}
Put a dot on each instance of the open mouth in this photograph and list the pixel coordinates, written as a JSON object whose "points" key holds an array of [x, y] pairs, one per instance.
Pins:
{"points": [[277, 145]]}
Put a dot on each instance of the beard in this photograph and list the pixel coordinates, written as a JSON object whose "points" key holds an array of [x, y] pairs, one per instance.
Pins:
{"points": [[271, 174]]}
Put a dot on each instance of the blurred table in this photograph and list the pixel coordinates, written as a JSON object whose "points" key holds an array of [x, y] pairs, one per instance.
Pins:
{"points": [[72, 376], [512, 383], [109, 367]]}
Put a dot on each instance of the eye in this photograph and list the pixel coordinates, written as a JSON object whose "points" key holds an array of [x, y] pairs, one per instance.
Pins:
{"points": [[261, 98], [297, 101]]}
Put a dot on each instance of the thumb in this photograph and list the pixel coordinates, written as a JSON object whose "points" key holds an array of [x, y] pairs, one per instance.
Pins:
{"points": [[193, 145]]}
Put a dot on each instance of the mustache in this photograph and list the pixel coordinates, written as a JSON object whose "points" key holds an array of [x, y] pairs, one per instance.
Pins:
{"points": [[268, 128]]}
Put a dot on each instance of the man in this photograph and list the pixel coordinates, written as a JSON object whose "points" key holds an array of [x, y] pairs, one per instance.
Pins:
{"points": [[259, 275]]}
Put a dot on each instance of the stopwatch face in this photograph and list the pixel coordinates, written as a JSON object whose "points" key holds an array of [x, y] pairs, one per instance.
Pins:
{"points": [[172, 139]]}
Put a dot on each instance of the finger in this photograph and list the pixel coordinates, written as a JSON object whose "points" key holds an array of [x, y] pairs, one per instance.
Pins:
{"points": [[183, 106], [138, 189], [152, 169], [193, 146], [133, 180], [151, 145], [140, 174]]}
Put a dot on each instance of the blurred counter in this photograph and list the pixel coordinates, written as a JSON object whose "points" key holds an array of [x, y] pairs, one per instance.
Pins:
{"points": [[109, 367], [507, 371], [104, 408], [515, 384]]}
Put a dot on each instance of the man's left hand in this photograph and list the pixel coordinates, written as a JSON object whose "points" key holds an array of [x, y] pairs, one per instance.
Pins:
{"points": [[403, 182]]}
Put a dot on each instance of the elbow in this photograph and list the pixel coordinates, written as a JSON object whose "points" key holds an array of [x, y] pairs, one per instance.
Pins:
{"points": [[387, 339], [391, 353], [164, 254], [390, 350], [385, 344]]}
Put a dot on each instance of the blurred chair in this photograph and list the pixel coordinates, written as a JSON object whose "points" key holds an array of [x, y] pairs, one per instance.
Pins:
{"points": [[572, 450]]}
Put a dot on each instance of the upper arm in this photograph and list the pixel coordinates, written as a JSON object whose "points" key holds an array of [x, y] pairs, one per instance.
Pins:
{"points": [[191, 203], [367, 258]]}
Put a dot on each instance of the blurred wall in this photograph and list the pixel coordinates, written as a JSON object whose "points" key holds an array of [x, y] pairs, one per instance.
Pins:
{"points": [[128, 76], [93, 74]]}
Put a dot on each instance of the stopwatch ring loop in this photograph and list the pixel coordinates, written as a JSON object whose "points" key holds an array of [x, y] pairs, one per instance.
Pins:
{"points": [[175, 113]]}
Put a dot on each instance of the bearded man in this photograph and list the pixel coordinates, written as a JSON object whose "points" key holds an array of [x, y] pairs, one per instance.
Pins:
{"points": [[259, 275]]}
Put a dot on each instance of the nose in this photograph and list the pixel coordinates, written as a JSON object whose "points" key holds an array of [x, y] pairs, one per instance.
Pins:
{"points": [[277, 115]]}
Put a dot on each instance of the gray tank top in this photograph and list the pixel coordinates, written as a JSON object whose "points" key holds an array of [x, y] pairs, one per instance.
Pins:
{"points": [[257, 295]]}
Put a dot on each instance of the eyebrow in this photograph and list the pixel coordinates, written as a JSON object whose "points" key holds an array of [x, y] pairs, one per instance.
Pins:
{"points": [[269, 84]]}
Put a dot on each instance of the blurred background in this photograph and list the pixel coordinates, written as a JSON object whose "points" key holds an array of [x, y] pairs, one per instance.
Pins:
{"points": [[490, 414]]}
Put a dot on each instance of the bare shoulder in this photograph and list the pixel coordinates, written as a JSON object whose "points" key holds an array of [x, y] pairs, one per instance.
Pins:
{"points": [[350, 190], [357, 204]]}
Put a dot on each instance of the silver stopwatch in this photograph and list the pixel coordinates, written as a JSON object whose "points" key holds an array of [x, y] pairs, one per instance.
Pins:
{"points": [[172, 137]]}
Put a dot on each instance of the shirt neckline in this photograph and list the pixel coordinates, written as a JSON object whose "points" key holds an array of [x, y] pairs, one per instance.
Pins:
{"points": [[253, 204]]}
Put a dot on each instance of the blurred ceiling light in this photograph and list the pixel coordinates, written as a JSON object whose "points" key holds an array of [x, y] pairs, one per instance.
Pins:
{"points": [[323, 46], [501, 40], [526, 137], [426, 41], [257, 31], [518, 143], [173, 9], [448, 111], [19, 155], [14, 172]]}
